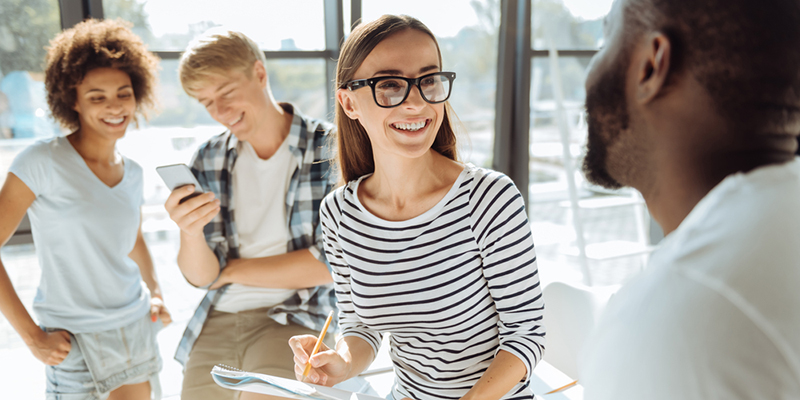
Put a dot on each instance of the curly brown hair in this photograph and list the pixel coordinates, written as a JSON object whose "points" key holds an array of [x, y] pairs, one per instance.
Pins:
{"points": [[97, 44]]}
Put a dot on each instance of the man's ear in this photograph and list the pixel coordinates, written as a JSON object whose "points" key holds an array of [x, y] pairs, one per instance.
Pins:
{"points": [[653, 67], [260, 73], [346, 100]]}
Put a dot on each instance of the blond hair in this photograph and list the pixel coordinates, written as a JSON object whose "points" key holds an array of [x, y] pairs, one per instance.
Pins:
{"points": [[217, 52], [354, 150]]}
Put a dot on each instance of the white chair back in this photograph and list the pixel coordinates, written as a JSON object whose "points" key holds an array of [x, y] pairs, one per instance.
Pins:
{"points": [[571, 311]]}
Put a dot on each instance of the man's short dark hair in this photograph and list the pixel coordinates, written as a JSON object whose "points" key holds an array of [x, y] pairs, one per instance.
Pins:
{"points": [[746, 53]]}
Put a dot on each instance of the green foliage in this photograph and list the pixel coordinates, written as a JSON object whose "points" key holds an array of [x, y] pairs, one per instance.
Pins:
{"points": [[26, 27], [554, 25], [131, 11], [297, 74]]}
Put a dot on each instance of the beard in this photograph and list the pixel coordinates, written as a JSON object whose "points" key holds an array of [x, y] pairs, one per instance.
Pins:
{"points": [[607, 116]]}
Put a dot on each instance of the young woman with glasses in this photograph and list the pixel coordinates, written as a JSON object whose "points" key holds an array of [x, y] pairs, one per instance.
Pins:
{"points": [[434, 251]]}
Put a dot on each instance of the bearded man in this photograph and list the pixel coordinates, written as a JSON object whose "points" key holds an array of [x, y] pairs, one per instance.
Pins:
{"points": [[696, 104]]}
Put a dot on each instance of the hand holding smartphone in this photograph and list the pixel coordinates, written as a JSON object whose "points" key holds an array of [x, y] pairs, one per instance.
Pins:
{"points": [[177, 175], [193, 216]]}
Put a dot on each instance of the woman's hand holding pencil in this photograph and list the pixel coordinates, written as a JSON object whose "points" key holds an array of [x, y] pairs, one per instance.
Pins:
{"points": [[315, 362]]}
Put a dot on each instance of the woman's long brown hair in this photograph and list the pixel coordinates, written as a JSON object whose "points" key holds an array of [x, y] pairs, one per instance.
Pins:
{"points": [[354, 150]]}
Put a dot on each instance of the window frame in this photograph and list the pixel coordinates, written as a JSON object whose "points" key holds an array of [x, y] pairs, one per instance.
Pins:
{"points": [[74, 11], [513, 81], [513, 104]]}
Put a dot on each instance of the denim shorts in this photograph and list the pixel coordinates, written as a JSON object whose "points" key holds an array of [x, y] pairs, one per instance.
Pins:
{"points": [[100, 362]]}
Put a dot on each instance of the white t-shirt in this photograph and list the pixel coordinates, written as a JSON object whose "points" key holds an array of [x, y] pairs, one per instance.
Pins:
{"points": [[83, 231], [716, 314], [259, 194]]}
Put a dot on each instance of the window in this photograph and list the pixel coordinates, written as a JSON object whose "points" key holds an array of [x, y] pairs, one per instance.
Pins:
{"points": [[568, 24], [602, 234], [174, 134], [547, 175], [26, 27], [169, 25], [298, 81], [300, 51]]}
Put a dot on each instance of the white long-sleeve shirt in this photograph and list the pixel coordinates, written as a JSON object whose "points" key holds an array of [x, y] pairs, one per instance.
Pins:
{"points": [[454, 285]]}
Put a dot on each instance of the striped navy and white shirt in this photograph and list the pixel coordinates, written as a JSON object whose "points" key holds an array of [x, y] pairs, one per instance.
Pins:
{"points": [[453, 286]]}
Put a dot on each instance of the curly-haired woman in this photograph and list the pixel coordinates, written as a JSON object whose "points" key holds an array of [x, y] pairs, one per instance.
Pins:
{"points": [[98, 301]]}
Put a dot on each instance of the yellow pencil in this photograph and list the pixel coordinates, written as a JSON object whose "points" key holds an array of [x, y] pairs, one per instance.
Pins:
{"points": [[319, 343], [565, 387]]}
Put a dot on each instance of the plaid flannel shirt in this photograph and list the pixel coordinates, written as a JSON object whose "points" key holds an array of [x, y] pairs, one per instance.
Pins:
{"points": [[311, 181]]}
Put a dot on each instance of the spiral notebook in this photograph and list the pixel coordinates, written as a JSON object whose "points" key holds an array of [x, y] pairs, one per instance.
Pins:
{"points": [[235, 379]]}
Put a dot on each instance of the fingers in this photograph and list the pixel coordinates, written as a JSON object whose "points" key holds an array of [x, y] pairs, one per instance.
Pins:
{"points": [[55, 360], [56, 357], [60, 347], [318, 362], [174, 199], [193, 213], [197, 201], [196, 219], [323, 358], [165, 316], [159, 311], [314, 375], [65, 344], [176, 196], [156, 304], [301, 347], [154, 311], [298, 372]]}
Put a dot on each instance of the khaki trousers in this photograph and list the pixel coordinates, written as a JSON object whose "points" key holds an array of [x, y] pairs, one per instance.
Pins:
{"points": [[248, 340]]}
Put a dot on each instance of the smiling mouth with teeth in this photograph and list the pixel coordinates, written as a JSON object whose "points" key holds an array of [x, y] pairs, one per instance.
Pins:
{"points": [[232, 123], [114, 121], [412, 127]]}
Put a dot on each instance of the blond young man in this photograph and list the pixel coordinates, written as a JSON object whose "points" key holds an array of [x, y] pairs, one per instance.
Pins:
{"points": [[263, 265]]}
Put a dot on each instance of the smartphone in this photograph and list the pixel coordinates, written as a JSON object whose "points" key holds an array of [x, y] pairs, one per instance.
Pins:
{"points": [[177, 175]]}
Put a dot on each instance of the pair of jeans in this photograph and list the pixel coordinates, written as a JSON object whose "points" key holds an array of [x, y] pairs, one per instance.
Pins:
{"points": [[100, 362]]}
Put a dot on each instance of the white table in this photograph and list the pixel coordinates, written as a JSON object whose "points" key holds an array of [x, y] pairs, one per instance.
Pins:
{"points": [[379, 378]]}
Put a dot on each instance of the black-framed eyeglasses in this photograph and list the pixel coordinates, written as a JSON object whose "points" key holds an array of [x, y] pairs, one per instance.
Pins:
{"points": [[391, 91]]}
